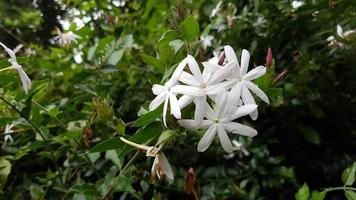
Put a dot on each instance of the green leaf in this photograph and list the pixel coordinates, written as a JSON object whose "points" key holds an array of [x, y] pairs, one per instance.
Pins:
{"points": [[316, 195], [165, 136], [122, 183], [303, 193], [190, 28], [143, 135], [348, 176], [109, 144], [350, 195], [155, 62], [5, 169], [311, 135], [115, 57], [167, 37], [87, 189], [148, 117], [120, 127]]}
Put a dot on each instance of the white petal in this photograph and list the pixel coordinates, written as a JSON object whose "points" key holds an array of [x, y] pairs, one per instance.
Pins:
{"points": [[240, 129], [234, 97], [230, 54], [211, 67], [224, 139], [188, 79], [245, 59], [165, 110], [217, 88], [243, 111], [26, 82], [200, 109], [175, 110], [194, 68], [207, 139], [166, 167], [188, 90], [255, 73], [222, 73], [185, 100], [206, 75], [339, 31], [10, 52], [220, 104], [158, 89], [157, 101], [247, 98], [188, 123], [210, 114], [257, 91], [177, 72]]}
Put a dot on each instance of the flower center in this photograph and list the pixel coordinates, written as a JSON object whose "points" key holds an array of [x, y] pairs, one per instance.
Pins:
{"points": [[204, 85], [216, 121]]}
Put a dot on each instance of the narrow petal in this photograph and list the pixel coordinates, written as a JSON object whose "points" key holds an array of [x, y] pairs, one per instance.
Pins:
{"points": [[234, 97], [188, 79], [211, 67], [165, 110], [257, 91], [26, 82], [240, 129], [221, 104], [185, 100], [207, 139], [200, 109], [255, 73], [210, 114], [158, 89], [224, 139], [175, 110], [217, 88], [10, 52], [339, 31], [230, 54], [188, 123], [222, 73], [157, 101], [177, 72], [247, 98], [166, 167], [206, 75], [245, 59], [188, 90], [194, 68], [243, 111]]}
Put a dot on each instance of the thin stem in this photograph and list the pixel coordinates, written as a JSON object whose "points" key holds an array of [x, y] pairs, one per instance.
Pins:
{"points": [[339, 188], [13, 35], [6, 68], [139, 146]]}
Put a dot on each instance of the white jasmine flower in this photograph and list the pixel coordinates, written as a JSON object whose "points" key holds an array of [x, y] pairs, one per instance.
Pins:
{"points": [[208, 83], [242, 80], [340, 33], [206, 40], [167, 93], [66, 38], [220, 121], [161, 166], [8, 138], [297, 4], [26, 82], [216, 10]]}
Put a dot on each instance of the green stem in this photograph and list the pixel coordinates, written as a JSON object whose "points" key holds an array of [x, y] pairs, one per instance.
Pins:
{"points": [[339, 188]]}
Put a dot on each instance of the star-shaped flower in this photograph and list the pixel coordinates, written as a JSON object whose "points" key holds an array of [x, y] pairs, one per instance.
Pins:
{"points": [[341, 34], [160, 166], [210, 82], [65, 38], [26, 82], [220, 121], [167, 93], [8, 138], [242, 80]]}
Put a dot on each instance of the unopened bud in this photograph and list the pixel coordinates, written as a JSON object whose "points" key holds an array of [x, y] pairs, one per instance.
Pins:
{"points": [[201, 55], [190, 180], [221, 58], [269, 58]]}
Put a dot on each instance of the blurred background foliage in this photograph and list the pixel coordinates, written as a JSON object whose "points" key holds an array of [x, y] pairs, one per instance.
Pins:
{"points": [[91, 90]]}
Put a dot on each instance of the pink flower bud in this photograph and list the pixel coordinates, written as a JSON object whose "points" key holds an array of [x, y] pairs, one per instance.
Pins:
{"points": [[269, 58], [221, 58]]}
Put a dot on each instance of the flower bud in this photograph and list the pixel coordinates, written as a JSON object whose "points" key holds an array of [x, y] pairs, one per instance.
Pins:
{"points": [[221, 58], [190, 180], [269, 58]]}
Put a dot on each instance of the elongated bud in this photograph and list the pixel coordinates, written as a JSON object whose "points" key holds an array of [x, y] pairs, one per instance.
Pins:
{"points": [[201, 55], [221, 58], [280, 76], [180, 10], [269, 58], [190, 180]]}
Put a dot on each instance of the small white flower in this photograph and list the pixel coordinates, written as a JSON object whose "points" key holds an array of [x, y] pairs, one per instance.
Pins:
{"points": [[208, 82], [26, 82], [66, 38], [160, 166], [297, 4], [216, 10], [340, 33], [220, 121], [167, 93], [8, 138], [206, 40], [242, 80]]}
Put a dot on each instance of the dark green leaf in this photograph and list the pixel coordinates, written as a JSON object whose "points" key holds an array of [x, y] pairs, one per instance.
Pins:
{"points": [[190, 28], [155, 62], [115, 57], [148, 117], [109, 144]]}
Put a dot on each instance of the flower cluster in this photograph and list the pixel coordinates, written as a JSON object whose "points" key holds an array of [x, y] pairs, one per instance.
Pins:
{"points": [[227, 86]]}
